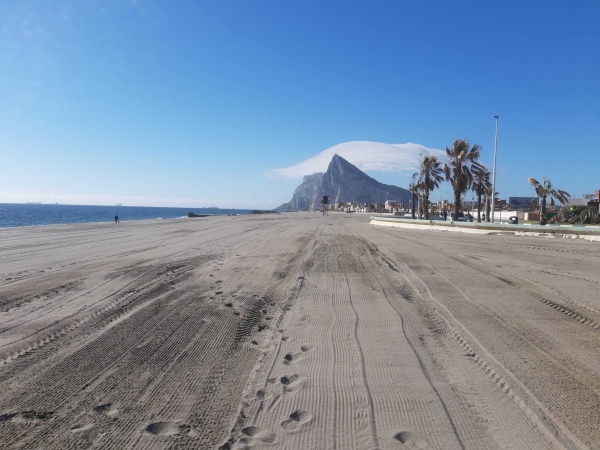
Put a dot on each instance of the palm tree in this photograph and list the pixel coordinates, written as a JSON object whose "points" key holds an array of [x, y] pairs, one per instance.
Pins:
{"points": [[545, 189], [533, 205], [431, 174], [459, 170], [414, 188], [481, 185], [488, 203]]}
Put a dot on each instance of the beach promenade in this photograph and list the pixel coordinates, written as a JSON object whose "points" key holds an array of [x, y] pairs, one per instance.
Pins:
{"points": [[296, 331]]}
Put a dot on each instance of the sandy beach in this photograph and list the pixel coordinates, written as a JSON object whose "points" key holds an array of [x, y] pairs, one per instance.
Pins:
{"points": [[296, 331]]}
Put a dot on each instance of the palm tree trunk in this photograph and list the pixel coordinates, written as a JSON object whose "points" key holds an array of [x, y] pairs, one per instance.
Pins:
{"points": [[478, 208], [456, 205], [426, 205], [413, 205], [488, 208], [543, 211]]}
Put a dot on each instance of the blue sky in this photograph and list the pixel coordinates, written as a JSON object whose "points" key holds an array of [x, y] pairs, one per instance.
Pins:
{"points": [[195, 103]]}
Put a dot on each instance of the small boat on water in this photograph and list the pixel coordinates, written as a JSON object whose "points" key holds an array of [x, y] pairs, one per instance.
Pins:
{"points": [[191, 214]]}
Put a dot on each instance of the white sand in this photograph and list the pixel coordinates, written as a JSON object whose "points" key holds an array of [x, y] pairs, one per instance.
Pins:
{"points": [[295, 332]]}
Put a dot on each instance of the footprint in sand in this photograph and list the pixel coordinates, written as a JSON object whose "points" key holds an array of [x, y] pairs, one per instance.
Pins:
{"points": [[163, 429], [86, 433], [292, 358], [253, 436], [106, 409], [412, 440], [292, 383], [262, 434], [102, 408], [296, 419], [263, 394]]}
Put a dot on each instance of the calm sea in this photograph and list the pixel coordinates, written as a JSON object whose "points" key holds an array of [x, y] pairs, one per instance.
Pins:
{"points": [[24, 215]]}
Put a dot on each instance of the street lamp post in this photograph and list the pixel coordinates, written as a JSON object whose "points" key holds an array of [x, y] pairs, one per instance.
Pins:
{"points": [[472, 203], [494, 175]]}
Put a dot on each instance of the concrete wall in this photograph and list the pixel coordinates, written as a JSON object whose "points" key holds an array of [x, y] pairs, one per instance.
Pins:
{"points": [[591, 233], [502, 215], [533, 215]]}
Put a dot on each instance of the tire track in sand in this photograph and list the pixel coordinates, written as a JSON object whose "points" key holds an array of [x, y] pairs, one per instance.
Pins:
{"points": [[418, 271], [362, 366]]}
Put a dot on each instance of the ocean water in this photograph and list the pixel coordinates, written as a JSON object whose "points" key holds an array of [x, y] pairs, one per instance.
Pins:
{"points": [[24, 215]]}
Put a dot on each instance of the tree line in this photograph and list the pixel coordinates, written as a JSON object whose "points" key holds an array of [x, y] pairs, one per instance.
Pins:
{"points": [[464, 172]]}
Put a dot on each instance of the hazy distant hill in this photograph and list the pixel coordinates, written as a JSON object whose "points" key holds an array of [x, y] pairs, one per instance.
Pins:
{"points": [[342, 182]]}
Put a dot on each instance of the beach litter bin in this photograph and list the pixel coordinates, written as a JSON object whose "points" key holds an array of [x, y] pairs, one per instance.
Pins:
{"points": [[513, 220]]}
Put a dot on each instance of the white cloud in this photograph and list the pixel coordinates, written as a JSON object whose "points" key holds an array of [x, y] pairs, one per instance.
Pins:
{"points": [[365, 155]]}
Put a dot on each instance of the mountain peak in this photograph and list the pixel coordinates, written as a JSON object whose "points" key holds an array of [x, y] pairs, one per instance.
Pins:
{"points": [[339, 164], [343, 181], [338, 159]]}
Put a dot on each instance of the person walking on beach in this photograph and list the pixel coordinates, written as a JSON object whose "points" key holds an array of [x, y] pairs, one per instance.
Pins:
{"points": [[116, 219]]}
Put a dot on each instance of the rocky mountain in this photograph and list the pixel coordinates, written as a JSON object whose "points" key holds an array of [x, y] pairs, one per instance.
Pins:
{"points": [[343, 181], [304, 195]]}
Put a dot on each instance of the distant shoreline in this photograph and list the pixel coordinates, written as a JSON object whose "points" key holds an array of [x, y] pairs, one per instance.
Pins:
{"points": [[17, 215], [118, 204]]}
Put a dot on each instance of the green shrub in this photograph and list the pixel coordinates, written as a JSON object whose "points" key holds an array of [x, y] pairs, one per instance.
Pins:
{"points": [[578, 214]]}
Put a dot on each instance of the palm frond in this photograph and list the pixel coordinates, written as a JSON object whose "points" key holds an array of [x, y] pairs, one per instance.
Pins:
{"points": [[447, 172], [474, 153], [564, 193]]}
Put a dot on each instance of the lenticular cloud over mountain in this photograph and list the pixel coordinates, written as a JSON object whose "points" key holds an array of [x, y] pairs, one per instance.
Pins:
{"points": [[365, 155]]}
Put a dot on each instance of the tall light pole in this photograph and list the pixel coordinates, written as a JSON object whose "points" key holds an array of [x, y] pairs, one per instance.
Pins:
{"points": [[494, 176]]}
